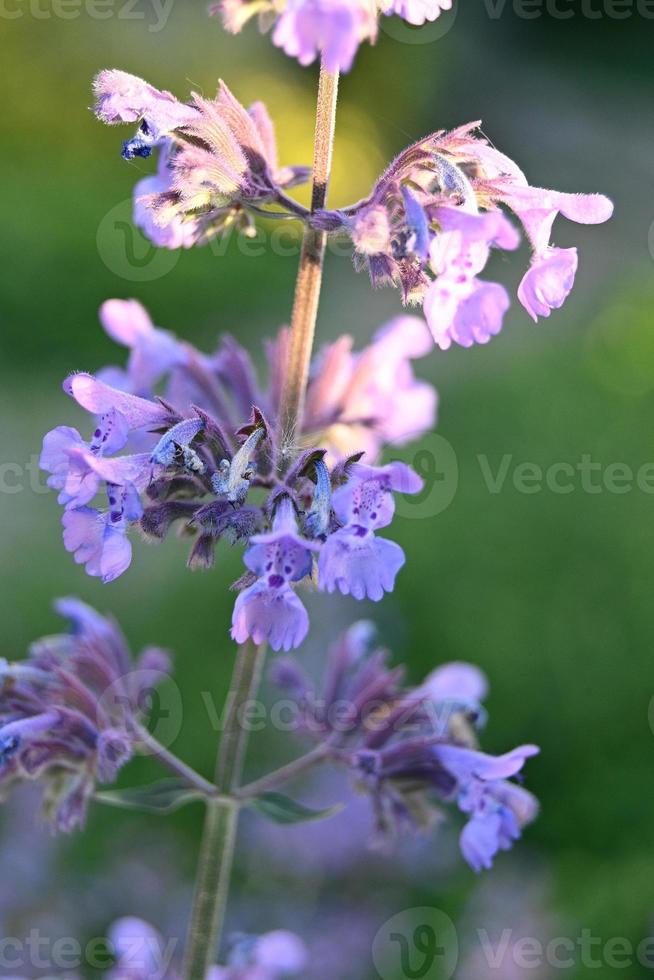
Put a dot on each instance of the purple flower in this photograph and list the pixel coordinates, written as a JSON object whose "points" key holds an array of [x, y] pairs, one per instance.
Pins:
{"points": [[498, 809], [416, 12], [196, 466], [69, 715], [142, 953], [98, 540], [63, 456], [153, 352], [163, 230], [353, 560], [332, 29], [101, 399], [215, 159], [409, 748], [433, 216], [461, 685], [547, 283], [269, 610], [365, 400], [125, 98]]}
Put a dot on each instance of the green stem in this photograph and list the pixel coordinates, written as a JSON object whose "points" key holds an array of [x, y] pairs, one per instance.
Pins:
{"points": [[285, 773], [172, 762], [219, 835], [309, 277]]}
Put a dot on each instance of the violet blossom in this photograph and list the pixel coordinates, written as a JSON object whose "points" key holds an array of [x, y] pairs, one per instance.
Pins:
{"points": [[412, 749], [329, 29], [191, 457], [216, 159], [434, 216], [142, 953], [70, 713]]}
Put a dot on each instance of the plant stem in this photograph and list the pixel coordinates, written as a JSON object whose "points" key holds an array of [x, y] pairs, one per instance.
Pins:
{"points": [[285, 773], [309, 277], [172, 762], [219, 835]]}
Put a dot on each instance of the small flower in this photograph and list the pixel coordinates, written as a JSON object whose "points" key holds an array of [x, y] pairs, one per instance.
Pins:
{"points": [[216, 158], [416, 12], [353, 560], [124, 98], [98, 540], [411, 748], [548, 282], [432, 218], [153, 352], [331, 29], [498, 809], [269, 610], [142, 953], [69, 715], [359, 402]]}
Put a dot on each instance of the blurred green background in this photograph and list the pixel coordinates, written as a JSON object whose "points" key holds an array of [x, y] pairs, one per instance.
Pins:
{"points": [[550, 593]]}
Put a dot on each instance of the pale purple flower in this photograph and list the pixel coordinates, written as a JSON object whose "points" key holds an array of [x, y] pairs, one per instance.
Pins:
{"points": [[68, 714], [142, 953], [330, 28], [411, 747], [361, 401], [98, 540], [269, 610], [353, 560], [459, 683], [196, 467], [431, 219], [100, 398], [416, 12], [215, 159], [548, 281], [458, 306], [124, 98], [178, 231], [64, 452], [153, 352], [497, 808]]}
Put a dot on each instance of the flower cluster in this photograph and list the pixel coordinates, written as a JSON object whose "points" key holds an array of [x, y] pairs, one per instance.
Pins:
{"points": [[216, 159], [331, 29], [432, 219], [70, 713], [143, 954], [203, 456], [411, 747]]}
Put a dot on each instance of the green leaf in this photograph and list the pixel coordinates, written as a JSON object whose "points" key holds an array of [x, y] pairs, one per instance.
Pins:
{"points": [[164, 796], [281, 809]]}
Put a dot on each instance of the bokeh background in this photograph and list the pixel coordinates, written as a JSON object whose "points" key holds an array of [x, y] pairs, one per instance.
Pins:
{"points": [[550, 593]]}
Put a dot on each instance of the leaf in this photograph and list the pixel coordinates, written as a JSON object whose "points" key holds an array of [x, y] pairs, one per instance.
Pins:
{"points": [[164, 796], [281, 809]]}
